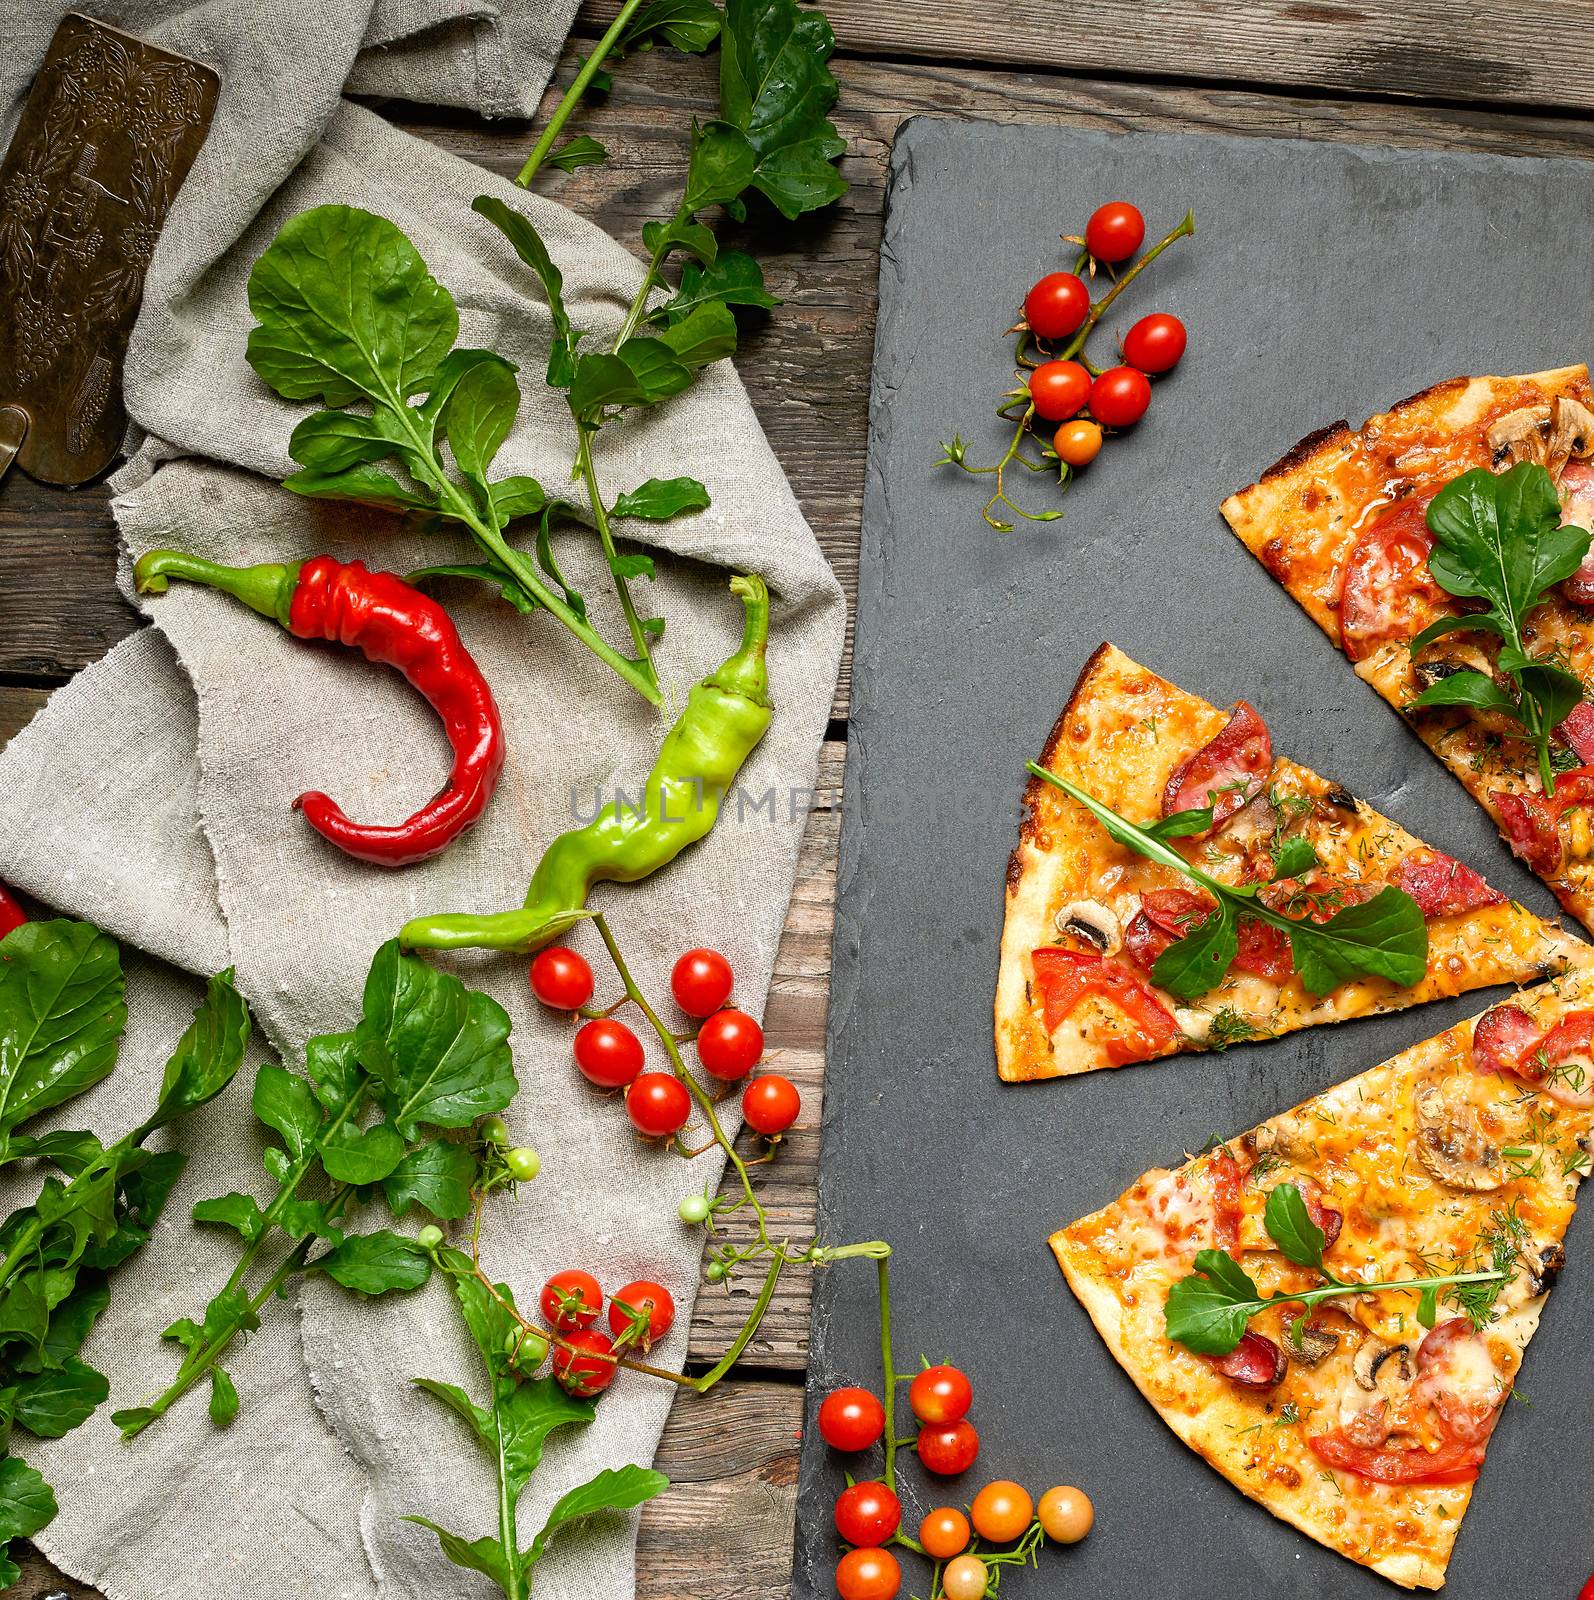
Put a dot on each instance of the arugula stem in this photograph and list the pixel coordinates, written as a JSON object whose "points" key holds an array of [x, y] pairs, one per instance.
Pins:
{"points": [[888, 1367], [650, 281], [27, 1240], [600, 519], [508, 1535], [460, 506], [1337, 1287], [572, 96], [1099, 310]]}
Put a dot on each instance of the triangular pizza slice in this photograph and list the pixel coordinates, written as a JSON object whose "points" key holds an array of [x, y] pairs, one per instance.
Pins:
{"points": [[1331, 910], [1234, 1289], [1343, 523]]}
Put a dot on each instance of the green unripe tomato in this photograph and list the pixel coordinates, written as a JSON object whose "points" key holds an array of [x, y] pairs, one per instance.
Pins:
{"points": [[495, 1131], [526, 1348], [523, 1162], [715, 1272], [694, 1208], [429, 1237]]}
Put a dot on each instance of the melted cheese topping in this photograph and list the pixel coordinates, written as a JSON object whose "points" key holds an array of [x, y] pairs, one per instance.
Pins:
{"points": [[1356, 1148]]}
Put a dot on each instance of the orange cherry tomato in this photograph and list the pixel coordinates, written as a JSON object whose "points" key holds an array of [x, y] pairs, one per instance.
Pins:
{"points": [[964, 1579], [868, 1575], [1002, 1511], [1078, 443], [1066, 1514], [944, 1533]]}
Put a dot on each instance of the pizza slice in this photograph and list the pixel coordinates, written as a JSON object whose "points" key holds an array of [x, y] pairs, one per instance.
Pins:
{"points": [[1346, 523], [1241, 1291], [1262, 899]]}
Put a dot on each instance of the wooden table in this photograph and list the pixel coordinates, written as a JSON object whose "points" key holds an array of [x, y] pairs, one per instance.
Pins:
{"points": [[1513, 76]]}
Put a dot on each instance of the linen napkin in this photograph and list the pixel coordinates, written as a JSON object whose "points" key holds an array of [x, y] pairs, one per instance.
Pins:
{"points": [[152, 795]]}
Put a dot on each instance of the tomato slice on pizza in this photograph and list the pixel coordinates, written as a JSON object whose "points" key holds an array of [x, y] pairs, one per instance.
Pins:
{"points": [[1343, 523], [1083, 980], [1239, 1290]]}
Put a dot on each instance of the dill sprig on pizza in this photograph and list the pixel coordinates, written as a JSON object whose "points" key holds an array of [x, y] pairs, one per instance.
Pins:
{"points": [[1499, 538], [1384, 937]]}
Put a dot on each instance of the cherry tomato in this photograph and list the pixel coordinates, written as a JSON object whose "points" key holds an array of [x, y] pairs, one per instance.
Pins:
{"points": [[1115, 231], [523, 1162], [949, 1449], [1059, 389], [658, 1105], [964, 1579], [694, 1208], [571, 1299], [643, 1295], [1057, 306], [770, 1104], [560, 978], [729, 1044], [1155, 343], [940, 1394], [701, 982], [1001, 1511], [1078, 442], [867, 1513], [584, 1370], [944, 1533], [1119, 397], [1066, 1514], [608, 1053], [1587, 1591], [851, 1419], [868, 1575]]}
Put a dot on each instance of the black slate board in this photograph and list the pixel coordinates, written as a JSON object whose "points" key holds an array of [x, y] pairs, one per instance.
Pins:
{"points": [[1324, 282]]}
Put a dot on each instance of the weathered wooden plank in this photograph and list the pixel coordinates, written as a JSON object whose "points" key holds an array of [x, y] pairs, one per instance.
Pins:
{"points": [[1509, 52], [18, 707], [723, 1529]]}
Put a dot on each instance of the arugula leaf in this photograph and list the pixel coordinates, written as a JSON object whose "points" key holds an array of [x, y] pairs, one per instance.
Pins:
{"points": [[735, 279], [502, 581], [613, 1489], [208, 1055], [1292, 855], [528, 245], [1290, 1226], [61, 1017], [689, 26], [54, 1403], [1385, 937], [437, 1177], [582, 151], [660, 499], [377, 1262], [1498, 537], [1207, 1312]]}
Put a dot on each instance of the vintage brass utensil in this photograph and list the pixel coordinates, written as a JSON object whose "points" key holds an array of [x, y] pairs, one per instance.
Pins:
{"points": [[109, 131]]}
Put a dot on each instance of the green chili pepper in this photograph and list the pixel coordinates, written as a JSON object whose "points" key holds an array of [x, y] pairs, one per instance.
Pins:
{"points": [[725, 717]]}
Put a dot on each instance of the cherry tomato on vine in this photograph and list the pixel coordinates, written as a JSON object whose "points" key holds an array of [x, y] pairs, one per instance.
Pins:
{"points": [[658, 1105], [571, 1299], [1078, 442], [868, 1575], [643, 1295], [1058, 389], [1067, 1515], [694, 1208], [851, 1419], [940, 1394], [584, 1370], [701, 982], [608, 1054], [944, 1533], [523, 1162], [867, 1513], [1119, 397], [561, 979], [948, 1449], [1057, 306], [770, 1104], [1002, 1511], [1155, 343], [1115, 231], [964, 1579], [1587, 1591], [729, 1044]]}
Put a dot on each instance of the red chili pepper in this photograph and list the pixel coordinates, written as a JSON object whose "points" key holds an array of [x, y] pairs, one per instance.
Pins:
{"points": [[386, 620], [11, 914]]}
